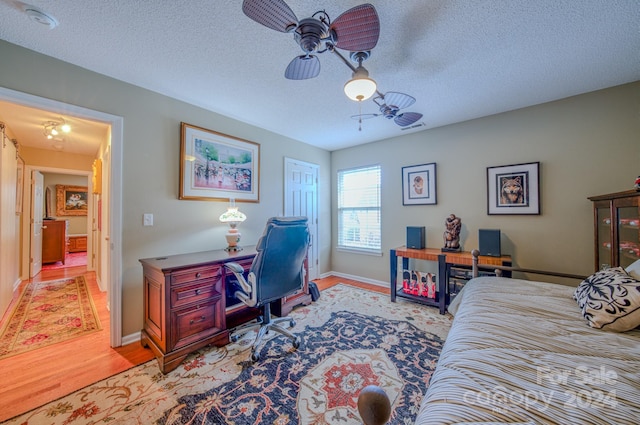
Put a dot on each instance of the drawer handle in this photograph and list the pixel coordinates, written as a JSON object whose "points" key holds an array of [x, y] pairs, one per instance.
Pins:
{"points": [[197, 291], [202, 319], [198, 274]]}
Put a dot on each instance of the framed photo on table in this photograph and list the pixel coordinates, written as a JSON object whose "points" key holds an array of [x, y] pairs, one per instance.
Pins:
{"points": [[419, 184], [514, 189], [218, 167]]}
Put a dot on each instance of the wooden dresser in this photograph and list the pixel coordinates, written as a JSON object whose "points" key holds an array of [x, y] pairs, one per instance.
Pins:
{"points": [[54, 240], [77, 243], [186, 305]]}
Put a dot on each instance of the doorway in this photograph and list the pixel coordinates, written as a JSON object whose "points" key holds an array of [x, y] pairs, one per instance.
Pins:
{"points": [[111, 240]]}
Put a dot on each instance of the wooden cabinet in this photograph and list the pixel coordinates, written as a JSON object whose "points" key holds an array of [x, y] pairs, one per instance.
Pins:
{"points": [[189, 303], [77, 243], [54, 241], [616, 229]]}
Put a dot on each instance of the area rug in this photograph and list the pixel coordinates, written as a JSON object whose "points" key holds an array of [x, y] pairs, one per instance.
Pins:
{"points": [[351, 338], [48, 313]]}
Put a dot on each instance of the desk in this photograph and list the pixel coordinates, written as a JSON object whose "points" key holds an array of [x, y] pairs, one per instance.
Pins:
{"points": [[445, 260], [186, 306]]}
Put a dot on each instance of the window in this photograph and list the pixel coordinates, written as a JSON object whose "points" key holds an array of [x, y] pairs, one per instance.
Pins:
{"points": [[359, 209]]}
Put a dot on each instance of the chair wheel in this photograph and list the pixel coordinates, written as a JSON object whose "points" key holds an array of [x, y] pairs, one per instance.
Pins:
{"points": [[255, 357], [234, 338], [292, 323], [296, 342]]}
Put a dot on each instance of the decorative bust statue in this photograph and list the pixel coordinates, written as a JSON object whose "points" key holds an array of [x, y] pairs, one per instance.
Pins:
{"points": [[452, 233]]}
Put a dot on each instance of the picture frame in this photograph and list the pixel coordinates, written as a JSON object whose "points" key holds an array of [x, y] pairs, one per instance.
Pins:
{"points": [[71, 200], [514, 189], [19, 185], [419, 184], [217, 167]]}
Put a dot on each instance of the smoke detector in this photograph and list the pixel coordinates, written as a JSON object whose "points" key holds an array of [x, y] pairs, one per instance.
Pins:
{"points": [[41, 17]]}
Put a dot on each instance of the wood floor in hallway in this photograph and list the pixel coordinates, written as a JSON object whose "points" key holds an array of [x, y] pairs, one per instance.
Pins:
{"points": [[34, 378]]}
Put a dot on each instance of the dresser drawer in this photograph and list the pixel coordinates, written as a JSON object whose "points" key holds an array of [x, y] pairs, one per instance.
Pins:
{"points": [[194, 323], [202, 291], [195, 274]]}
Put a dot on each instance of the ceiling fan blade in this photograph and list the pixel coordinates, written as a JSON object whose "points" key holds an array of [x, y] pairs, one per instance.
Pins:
{"points": [[274, 14], [364, 116], [397, 100], [357, 29], [302, 68], [407, 118]]}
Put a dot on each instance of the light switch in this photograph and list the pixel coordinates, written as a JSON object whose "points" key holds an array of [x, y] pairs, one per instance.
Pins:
{"points": [[147, 219]]}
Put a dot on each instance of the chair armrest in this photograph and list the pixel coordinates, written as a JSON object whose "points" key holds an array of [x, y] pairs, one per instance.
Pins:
{"points": [[234, 267]]}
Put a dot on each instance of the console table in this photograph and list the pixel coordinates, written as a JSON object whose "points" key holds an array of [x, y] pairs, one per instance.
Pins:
{"points": [[186, 306], [445, 261]]}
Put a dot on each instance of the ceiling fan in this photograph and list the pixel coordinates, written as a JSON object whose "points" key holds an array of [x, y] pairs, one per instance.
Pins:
{"points": [[390, 104], [355, 30]]}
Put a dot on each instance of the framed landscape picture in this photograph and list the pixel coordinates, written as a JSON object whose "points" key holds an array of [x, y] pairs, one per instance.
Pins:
{"points": [[218, 167], [71, 200], [419, 184], [513, 189]]}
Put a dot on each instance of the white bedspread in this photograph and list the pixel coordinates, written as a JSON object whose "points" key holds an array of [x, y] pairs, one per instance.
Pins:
{"points": [[520, 352]]}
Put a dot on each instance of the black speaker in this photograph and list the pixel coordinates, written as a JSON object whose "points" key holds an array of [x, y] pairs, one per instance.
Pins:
{"points": [[489, 242], [415, 237]]}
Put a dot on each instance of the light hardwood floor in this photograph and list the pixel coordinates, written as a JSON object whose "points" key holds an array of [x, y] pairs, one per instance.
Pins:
{"points": [[35, 378]]}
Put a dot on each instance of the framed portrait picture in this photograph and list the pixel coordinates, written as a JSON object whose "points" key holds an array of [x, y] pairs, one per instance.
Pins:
{"points": [[514, 189], [71, 200], [218, 167], [419, 184]]}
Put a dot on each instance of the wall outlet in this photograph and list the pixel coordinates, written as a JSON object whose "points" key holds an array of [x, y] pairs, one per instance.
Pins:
{"points": [[147, 219]]}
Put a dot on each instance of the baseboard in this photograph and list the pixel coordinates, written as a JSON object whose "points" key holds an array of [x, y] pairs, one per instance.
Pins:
{"points": [[358, 278], [131, 338]]}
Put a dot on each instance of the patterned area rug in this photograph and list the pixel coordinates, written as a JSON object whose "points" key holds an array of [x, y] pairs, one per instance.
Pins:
{"points": [[47, 313], [350, 338]]}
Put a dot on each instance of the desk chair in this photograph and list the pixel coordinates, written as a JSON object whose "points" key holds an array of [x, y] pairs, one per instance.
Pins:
{"points": [[276, 272]]}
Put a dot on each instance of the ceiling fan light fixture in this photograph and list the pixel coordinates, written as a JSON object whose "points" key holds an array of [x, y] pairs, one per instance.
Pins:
{"points": [[360, 87]]}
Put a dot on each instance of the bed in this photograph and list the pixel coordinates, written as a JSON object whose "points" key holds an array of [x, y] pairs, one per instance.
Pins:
{"points": [[521, 351]]}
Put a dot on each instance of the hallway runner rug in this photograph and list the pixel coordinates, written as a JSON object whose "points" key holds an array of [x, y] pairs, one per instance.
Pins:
{"points": [[351, 338], [48, 313]]}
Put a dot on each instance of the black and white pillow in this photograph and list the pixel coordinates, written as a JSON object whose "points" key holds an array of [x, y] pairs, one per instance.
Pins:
{"points": [[610, 299]]}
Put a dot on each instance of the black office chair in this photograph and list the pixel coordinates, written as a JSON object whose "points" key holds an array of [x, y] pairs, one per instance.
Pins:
{"points": [[276, 272]]}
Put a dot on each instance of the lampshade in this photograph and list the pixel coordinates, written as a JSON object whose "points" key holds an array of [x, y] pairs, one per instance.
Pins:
{"points": [[360, 87], [232, 216]]}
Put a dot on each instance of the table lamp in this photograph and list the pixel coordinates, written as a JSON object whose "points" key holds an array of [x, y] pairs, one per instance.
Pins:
{"points": [[232, 216]]}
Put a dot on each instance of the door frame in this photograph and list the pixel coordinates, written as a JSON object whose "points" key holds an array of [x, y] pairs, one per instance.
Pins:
{"points": [[114, 284], [90, 205]]}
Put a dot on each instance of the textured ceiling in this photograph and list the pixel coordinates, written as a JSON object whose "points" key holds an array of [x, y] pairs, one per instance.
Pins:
{"points": [[460, 59]]}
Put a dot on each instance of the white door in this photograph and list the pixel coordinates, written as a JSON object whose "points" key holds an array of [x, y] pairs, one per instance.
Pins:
{"points": [[301, 199], [37, 188]]}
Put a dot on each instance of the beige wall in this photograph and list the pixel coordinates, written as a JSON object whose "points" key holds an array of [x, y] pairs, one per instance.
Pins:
{"points": [[586, 145], [151, 154]]}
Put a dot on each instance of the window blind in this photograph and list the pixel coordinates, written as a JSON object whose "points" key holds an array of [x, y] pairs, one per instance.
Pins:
{"points": [[359, 224]]}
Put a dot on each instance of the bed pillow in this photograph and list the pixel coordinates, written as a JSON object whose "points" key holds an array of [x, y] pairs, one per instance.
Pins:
{"points": [[634, 269], [610, 300]]}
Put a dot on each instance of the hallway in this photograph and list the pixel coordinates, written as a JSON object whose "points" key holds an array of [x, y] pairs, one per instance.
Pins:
{"points": [[43, 375]]}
